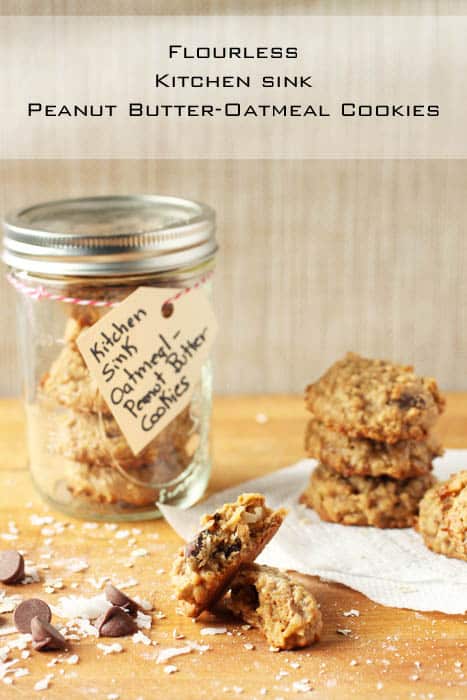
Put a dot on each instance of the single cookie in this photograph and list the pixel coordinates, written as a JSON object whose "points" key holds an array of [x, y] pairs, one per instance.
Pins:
{"points": [[365, 500], [443, 517], [99, 442], [349, 456], [69, 382], [106, 485], [375, 399], [284, 611], [232, 536]]}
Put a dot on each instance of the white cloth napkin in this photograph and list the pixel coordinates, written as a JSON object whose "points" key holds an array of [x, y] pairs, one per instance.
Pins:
{"points": [[391, 567]]}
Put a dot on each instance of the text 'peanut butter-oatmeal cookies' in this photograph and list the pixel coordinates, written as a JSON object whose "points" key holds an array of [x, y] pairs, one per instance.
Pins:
{"points": [[285, 612], [375, 399], [358, 500], [361, 456], [443, 517], [232, 536]]}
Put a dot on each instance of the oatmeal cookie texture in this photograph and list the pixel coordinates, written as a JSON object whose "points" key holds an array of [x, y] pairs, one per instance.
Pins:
{"points": [[98, 441], [358, 500], [68, 380], [106, 485], [375, 399], [443, 517], [230, 537], [285, 612], [362, 456], [96, 454]]}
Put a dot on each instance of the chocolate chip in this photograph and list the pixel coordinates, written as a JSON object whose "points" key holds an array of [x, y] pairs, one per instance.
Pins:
{"points": [[11, 566], [228, 549], [117, 597], [45, 636], [34, 607], [406, 401], [115, 622]]}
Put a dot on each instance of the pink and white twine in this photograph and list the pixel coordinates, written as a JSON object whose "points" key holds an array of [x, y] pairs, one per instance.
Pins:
{"points": [[40, 292]]}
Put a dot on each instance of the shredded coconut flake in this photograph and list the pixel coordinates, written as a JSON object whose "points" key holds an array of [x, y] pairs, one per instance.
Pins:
{"points": [[44, 683], [143, 621], [127, 584], [145, 604], [170, 652], [303, 686], [39, 520], [73, 606], [141, 638], [170, 669], [211, 631], [107, 649], [76, 565]]}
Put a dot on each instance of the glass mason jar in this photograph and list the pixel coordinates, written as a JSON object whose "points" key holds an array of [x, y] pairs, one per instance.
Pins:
{"points": [[70, 261]]}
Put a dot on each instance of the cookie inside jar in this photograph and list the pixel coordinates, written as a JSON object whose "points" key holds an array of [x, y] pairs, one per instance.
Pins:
{"points": [[72, 261], [96, 462]]}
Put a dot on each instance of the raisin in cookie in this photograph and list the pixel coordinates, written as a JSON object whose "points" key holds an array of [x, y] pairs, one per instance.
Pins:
{"points": [[364, 500], [443, 517], [98, 441], [375, 399], [284, 611], [349, 456], [233, 535]]}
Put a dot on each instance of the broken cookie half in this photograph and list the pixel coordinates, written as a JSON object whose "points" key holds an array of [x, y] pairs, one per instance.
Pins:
{"points": [[232, 536], [285, 612]]}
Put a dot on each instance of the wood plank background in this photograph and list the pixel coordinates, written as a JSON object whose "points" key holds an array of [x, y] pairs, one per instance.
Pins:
{"points": [[317, 257], [232, 7]]}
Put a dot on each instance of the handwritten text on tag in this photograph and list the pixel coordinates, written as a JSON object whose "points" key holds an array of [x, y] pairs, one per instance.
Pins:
{"points": [[147, 366]]}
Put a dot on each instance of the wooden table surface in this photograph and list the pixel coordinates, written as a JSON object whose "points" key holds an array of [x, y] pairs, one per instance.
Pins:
{"points": [[390, 653]]}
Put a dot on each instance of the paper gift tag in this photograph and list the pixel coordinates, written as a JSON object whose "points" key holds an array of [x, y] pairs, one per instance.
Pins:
{"points": [[145, 364]]}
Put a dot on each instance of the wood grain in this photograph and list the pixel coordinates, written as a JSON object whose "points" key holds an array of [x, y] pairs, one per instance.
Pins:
{"points": [[316, 258], [232, 7], [390, 653]]}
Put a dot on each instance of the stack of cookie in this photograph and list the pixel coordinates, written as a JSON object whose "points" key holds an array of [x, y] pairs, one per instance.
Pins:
{"points": [[371, 431], [83, 431]]}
